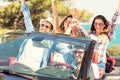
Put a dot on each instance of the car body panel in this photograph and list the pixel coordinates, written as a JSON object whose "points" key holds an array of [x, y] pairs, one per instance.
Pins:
{"points": [[13, 46]]}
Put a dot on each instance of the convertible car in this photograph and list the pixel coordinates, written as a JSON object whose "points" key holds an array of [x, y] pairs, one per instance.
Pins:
{"points": [[39, 56]]}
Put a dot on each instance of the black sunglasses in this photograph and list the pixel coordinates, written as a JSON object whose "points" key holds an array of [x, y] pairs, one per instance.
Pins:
{"points": [[78, 52], [43, 25]]}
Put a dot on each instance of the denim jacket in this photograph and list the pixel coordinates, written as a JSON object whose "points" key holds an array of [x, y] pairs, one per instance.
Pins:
{"points": [[27, 18]]}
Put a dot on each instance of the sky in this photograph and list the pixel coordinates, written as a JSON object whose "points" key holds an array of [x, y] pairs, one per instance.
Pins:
{"points": [[3, 3], [102, 7]]}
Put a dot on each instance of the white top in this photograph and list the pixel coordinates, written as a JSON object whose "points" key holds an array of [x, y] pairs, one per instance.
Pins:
{"points": [[31, 56]]}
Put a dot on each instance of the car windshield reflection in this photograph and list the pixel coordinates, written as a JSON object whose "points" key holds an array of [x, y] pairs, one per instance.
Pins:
{"points": [[43, 56]]}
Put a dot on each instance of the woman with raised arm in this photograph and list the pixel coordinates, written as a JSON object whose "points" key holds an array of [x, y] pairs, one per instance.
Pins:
{"points": [[65, 25], [102, 32]]}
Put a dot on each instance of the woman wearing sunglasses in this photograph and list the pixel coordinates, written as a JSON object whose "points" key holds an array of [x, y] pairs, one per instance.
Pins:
{"points": [[102, 32]]}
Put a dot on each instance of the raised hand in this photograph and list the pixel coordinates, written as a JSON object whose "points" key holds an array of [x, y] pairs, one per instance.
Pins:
{"points": [[75, 13], [118, 9], [53, 0], [22, 1]]}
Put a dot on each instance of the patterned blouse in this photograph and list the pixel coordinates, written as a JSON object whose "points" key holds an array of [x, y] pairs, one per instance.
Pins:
{"points": [[102, 40]]}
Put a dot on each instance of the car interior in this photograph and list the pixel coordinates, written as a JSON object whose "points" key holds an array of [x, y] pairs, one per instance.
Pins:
{"points": [[59, 54]]}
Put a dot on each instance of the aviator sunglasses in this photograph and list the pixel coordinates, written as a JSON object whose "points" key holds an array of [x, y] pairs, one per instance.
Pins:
{"points": [[99, 24]]}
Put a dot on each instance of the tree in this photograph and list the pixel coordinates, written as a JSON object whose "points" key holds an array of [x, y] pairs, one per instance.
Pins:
{"points": [[8, 13]]}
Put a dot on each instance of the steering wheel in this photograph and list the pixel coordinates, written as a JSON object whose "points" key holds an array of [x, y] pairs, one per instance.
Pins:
{"points": [[62, 64], [74, 74]]}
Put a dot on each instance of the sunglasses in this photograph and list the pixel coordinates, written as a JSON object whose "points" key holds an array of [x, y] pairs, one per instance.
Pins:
{"points": [[43, 25], [99, 24], [74, 52]]}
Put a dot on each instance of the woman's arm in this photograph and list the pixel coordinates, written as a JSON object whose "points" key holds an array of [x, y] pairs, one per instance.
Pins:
{"points": [[80, 29], [55, 15], [27, 18], [75, 25], [113, 21], [22, 2]]}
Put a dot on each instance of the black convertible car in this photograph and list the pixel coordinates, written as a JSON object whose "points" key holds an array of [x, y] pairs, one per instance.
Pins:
{"points": [[38, 56]]}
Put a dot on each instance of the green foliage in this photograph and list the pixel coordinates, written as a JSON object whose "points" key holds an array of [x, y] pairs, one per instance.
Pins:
{"points": [[62, 10], [85, 15], [8, 14], [114, 50]]}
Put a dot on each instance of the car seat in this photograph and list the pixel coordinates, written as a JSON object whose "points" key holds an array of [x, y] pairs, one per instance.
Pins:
{"points": [[110, 65], [7, 62]]}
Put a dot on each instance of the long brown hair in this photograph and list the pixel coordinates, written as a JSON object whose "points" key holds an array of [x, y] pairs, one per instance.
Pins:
{"points": [[62, 28], [106, 23]]}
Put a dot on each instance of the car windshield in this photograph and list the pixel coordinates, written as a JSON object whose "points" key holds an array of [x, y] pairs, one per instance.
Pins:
{"points": [[43, 55]]}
